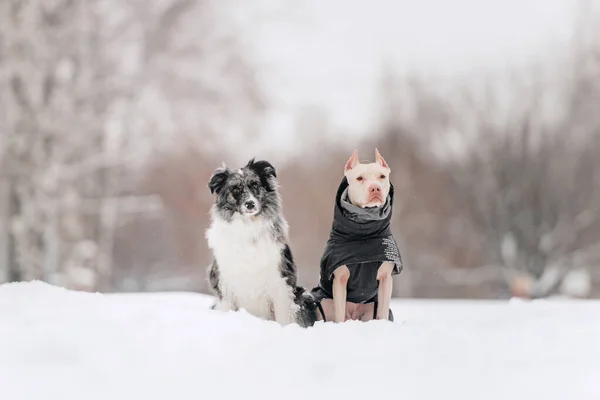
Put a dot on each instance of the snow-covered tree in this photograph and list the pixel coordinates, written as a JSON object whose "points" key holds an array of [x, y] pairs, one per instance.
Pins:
{"points": [[90, 90], [51, 126]]}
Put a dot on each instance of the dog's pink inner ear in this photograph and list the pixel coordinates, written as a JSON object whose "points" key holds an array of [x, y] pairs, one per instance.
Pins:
{"points": [[352, 161], [380, 159]]}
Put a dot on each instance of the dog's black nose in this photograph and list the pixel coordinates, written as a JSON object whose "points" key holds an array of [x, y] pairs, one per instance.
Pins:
{"points": [[250, 205]]}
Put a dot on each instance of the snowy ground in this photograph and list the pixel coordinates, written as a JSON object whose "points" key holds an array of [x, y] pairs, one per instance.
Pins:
{"points": [[58, 344]]}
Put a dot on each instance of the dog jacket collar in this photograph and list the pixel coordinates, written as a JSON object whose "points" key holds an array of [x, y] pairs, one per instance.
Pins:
{"points": [[361, 244], [361, 215]]}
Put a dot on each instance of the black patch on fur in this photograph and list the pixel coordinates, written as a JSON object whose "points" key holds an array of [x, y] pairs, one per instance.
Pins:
{"points": [[265, 170], [213, 279], [306, 315], [218, 179], [288, 267]]}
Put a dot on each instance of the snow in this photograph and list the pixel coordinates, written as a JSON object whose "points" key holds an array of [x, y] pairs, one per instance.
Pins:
{"points": [[60, 344]]}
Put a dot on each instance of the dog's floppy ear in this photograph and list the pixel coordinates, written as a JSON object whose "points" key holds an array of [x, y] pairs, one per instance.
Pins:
{"points": [[262, 167], [218, 179], [352, 161]]}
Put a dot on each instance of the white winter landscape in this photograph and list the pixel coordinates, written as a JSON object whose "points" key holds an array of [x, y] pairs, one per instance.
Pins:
{"points": [[61, 344], [114, 114]]}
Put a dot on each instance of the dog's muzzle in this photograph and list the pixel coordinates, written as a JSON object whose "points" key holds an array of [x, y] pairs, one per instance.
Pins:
{"points": [[251, 207]]}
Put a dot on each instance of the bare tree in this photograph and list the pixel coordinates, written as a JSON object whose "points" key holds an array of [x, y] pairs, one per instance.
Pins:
{"points": [[90, 91], [531, 181], [536, 207], [46, 77]]}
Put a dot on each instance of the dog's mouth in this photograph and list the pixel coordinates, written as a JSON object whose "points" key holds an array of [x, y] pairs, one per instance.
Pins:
{"points": [[374, 202], [250, 213]]}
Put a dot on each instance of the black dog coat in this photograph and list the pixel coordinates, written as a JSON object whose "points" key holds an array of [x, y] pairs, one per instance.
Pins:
{"points": [[361, 240]]}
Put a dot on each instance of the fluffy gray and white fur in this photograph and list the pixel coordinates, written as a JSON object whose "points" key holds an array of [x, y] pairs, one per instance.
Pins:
{"points": [[253, 267]]}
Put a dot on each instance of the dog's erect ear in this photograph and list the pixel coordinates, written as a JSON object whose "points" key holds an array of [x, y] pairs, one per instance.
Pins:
{"points": [[352, 162], [262, 167], [380, 159], [218, 179]]}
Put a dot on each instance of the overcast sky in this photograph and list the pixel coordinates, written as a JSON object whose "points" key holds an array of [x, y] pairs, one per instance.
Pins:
{"points": [[330, 53]]}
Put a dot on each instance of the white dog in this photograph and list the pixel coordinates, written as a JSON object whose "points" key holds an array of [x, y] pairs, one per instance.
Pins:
{"points": [[361, 254]]}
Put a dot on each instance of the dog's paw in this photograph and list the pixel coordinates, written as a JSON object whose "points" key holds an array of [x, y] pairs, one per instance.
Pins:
{"points": [[220, 305]]}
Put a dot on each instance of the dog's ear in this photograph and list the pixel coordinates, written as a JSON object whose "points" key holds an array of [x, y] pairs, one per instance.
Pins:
{"points": [[380, 159], [352, 161], [218, 179], [262, 167]]}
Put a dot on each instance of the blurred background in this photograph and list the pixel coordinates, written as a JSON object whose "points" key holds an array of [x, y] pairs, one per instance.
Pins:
{"points": [[114, 114]]}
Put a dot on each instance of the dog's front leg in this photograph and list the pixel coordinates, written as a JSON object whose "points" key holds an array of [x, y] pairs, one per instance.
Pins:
{"points": [[384, 296], [283, 311], [340, 280], [282, 303]]}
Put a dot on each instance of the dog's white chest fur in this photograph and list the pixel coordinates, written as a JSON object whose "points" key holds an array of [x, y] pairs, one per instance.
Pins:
{"points": [[249, 274]]}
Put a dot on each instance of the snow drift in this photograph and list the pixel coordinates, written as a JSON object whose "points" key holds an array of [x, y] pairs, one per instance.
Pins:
{"points": [[60, 344]]}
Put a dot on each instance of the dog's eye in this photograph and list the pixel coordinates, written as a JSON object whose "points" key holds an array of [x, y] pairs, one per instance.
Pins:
{"points": [[254, 185], [360, 178], [382, 176], [235, 191]]}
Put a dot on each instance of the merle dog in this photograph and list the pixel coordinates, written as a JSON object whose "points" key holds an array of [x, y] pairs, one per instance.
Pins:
{"points": [[253, 267]]}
